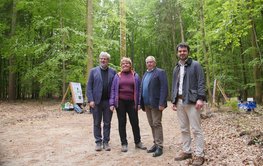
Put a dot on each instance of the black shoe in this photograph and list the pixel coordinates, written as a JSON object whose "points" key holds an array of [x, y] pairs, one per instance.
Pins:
{"points": [[152, 149], [158, 152]]}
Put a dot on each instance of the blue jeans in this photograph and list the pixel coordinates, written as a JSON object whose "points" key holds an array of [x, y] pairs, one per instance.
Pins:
{"points": [[102, 112]]}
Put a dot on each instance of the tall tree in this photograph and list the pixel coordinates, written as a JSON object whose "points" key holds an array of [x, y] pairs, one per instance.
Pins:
{"points": [[63, 48], [12, 73], [122, 28], [48, 44], [243, 95], [89, 19], [256, 55], [204, 49], [180, 22]]}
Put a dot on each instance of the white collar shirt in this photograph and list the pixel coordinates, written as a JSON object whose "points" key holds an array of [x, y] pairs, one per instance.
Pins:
{"points": [[181, 79]]}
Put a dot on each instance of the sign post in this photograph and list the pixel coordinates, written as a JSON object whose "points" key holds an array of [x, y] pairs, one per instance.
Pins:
{"points": [[76, 94]]}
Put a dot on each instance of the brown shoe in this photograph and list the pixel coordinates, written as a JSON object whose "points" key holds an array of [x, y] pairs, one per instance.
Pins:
{"points": [[198, 160], [183, 156]]}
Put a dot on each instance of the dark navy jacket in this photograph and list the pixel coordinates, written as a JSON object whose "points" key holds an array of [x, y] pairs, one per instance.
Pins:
{"points": [[94, 85], [157, 89]]}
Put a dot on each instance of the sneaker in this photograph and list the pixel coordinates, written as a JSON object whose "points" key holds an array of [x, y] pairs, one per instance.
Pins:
{"points": [[183, 156], [106, 146], [98, 147], [140, 146], [198, 161], [124, 148]]}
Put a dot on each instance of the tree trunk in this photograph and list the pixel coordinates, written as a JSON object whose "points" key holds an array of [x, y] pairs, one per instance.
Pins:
{"points": [[256, 54], [173, 22], [122, 28], [132, 46], [12, 74], [2, 83], [202, 27], [243, 92], [89, 36], [181, 24], [63, 49], [257, 68], [3, 78]]}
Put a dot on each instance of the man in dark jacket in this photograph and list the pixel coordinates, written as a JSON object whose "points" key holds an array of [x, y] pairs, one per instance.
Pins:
{"points": [[98, 93], [188, 95], [154, 92]]}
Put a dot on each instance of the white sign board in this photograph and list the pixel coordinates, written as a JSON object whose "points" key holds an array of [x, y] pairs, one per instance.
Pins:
{"points": [[76, 92]]}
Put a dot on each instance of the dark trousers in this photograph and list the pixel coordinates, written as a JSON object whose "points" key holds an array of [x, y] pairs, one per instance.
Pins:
{"points": [[127, 106], [102, 112]]}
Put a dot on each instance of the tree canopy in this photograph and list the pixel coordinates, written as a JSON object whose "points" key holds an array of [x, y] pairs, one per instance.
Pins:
{"points": [[43, 42]]}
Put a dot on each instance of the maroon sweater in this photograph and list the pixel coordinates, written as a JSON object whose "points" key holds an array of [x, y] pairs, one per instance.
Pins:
{"points": [[126, 86]]}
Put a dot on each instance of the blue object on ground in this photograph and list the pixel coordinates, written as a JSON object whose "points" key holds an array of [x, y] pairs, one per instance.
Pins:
{"points": [[249, 105]]}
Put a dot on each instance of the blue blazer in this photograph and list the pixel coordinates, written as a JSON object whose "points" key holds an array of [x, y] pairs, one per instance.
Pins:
{"points": [[94, 85], [157, 89]]}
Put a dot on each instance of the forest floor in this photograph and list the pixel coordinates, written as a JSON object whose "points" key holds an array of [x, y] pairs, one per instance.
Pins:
{"points": [[34, 133]]}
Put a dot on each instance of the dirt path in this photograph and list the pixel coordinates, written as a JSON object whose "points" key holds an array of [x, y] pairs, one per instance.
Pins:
{"points": [[38, 134]]}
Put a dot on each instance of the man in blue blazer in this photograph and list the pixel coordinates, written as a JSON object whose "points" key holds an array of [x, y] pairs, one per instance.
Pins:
{"points": [[154, 92], [98, 93]]}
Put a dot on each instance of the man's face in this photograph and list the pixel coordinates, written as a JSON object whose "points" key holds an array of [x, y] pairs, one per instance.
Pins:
{"points": [[150, 64], [104, 62], [182, 53]]}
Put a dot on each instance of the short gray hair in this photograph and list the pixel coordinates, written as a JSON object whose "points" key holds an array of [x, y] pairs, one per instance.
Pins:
{"points": [[104, 54], [150, 58]]}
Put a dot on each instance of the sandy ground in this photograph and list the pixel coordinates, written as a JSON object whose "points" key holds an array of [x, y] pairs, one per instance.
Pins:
{"points": [[34, 133]]}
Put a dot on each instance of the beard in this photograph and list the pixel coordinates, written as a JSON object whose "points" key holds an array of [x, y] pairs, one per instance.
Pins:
{"points": [[183, 57], [104, 65]]}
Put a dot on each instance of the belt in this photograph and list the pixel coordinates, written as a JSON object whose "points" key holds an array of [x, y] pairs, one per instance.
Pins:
{"points": [[180, 97]]}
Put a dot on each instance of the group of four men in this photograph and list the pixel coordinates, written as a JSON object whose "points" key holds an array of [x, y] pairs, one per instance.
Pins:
{"points": [[188, 96]]}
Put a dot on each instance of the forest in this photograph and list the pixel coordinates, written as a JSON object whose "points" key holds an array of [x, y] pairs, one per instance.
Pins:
{"points": [[45, 44]]}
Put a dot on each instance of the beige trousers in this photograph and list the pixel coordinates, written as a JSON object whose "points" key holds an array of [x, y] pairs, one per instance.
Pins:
{"points": [[188, 117]]}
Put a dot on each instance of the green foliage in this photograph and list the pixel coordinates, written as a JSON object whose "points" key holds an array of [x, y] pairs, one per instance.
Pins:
{"points": [[51, 33], [233, 104]]}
